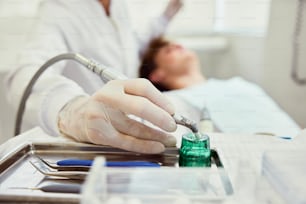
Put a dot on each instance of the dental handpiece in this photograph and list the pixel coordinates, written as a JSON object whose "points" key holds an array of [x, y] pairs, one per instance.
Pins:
{"points": [[108, 74], [181, 120]]}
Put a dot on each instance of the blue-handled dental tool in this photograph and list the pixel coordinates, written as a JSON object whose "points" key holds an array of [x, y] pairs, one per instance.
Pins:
{"points": [[81, 162]]}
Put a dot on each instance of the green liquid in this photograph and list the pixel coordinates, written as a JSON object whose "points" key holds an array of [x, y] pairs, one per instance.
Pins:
{"points": [[195, 151]]}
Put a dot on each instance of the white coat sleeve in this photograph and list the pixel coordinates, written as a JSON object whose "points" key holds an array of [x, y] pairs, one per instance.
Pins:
{"points": [[52, 91]]}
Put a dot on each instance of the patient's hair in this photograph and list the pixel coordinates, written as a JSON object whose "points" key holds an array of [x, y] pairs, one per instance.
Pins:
{"points": [[148, 64]]}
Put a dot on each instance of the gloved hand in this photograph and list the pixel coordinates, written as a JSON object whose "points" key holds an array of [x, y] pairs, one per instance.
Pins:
{"points": [[103, 117], [172, 8]]}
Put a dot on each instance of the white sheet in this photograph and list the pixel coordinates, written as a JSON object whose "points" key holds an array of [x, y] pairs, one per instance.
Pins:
{"points": [[237, 106]]}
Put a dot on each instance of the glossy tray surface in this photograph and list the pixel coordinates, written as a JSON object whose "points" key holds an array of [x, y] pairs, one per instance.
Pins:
{"points": [[17, 174]]}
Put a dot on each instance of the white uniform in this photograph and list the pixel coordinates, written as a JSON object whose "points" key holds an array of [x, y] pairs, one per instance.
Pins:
{"points": [[79, 26]]}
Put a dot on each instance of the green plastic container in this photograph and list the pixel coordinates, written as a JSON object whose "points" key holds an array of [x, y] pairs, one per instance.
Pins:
{"points": [[195, 152]]}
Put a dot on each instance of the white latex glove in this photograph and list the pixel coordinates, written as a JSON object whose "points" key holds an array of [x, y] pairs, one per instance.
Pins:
{"points": [[102, 118], [172, 8]]}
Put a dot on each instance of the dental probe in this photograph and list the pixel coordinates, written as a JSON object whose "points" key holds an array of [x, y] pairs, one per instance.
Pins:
{"points": [[55, 188], [106, 74]]}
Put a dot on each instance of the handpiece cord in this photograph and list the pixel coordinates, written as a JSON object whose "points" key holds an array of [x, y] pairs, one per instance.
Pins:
{"points": [[104, 72]]}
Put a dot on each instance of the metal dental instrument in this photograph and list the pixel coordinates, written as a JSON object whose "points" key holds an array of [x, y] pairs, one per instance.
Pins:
{"points": [[106, 74], [79, 175], [61, 168], [55, 188]]}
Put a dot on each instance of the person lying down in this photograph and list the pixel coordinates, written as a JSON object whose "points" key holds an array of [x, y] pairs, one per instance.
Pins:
{"points": [[235, 105]]}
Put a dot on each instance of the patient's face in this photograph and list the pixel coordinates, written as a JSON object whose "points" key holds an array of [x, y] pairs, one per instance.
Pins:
{"points": [[173, 62], [174, 59]]}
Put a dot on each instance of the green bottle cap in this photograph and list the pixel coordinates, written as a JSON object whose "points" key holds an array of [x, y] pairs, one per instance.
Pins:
{"points": [[195, 150]]}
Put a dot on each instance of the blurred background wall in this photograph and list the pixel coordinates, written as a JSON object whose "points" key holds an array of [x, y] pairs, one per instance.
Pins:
{"points": [[248, 38]]}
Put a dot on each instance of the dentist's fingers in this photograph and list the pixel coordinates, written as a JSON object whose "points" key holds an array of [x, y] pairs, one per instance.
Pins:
{"points": [[139, 97], [144, 88], [145, 109]]}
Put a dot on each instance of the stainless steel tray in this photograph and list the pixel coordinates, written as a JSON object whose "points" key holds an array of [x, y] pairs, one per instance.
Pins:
{"points": [[16, 172]]}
